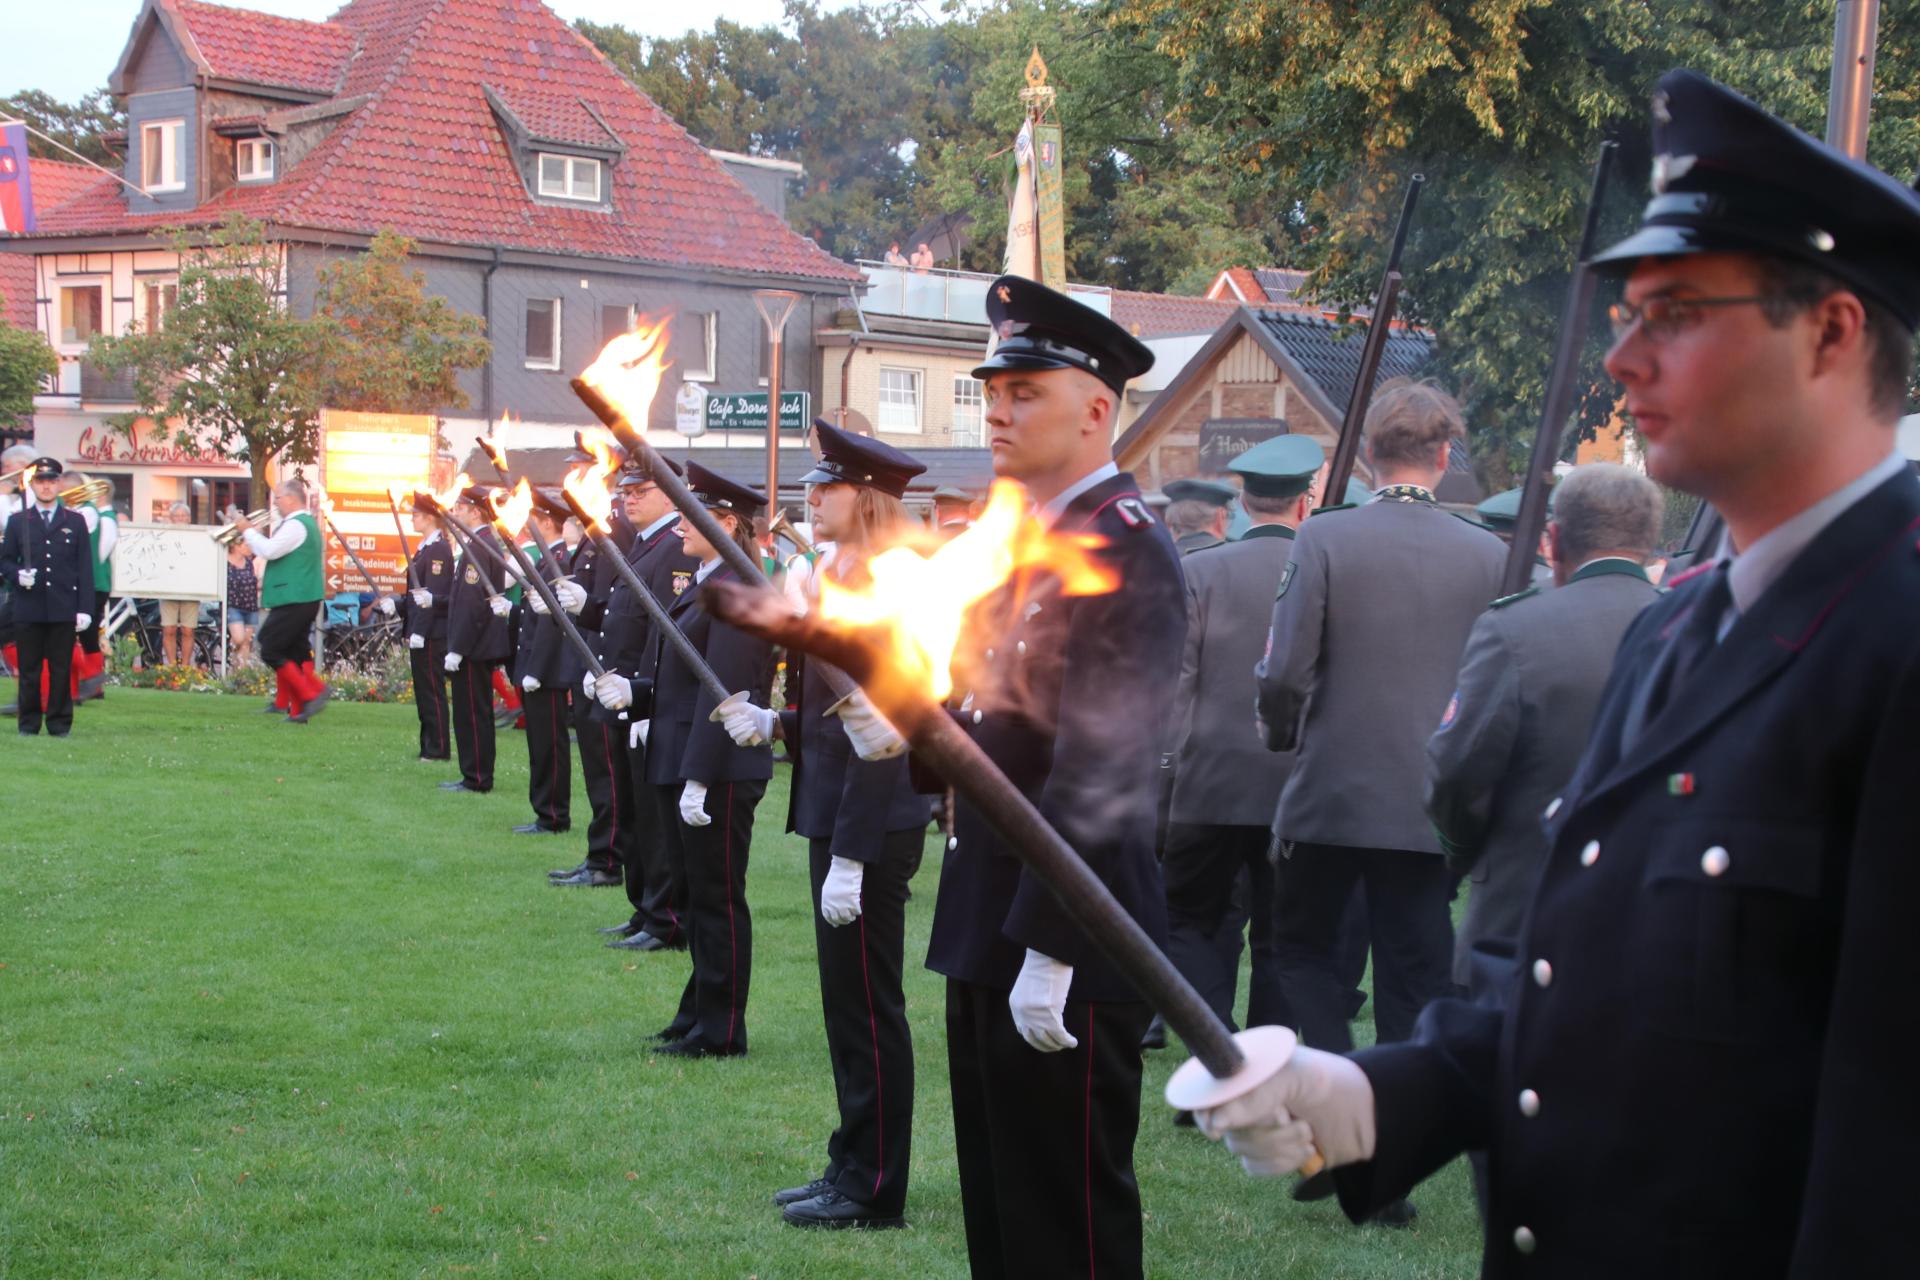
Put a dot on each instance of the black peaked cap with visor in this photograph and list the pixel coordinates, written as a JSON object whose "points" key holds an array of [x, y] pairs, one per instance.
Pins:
{"points": [[1038, 328], [846, 458], [716, 491]]}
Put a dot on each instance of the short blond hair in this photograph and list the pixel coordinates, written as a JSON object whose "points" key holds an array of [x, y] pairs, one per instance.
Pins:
{"points": [[1409, 421]]}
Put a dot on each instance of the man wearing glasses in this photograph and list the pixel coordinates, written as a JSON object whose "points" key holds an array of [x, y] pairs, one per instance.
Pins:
{"points": [[1696, 1069]]}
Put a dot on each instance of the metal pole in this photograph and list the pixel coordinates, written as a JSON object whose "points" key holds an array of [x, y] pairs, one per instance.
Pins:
{"points": [[1856, 25], [539, 584], [1347, 448], [406, 552], [775, 306]]}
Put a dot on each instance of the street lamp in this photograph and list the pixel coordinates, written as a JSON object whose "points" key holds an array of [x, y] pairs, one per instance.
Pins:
{"points": [[775, 306]]}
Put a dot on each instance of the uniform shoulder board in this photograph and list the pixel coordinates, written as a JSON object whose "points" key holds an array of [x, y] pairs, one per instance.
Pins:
{"points": [[1134, 512], [1515, 598], [1338, 506]]}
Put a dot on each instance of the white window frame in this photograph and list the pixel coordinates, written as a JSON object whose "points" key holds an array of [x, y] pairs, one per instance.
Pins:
{"points": [[105, 285], [881, 422], [142, 313], [531, 362], [253, 160], [711, 326], [571, 185], [969, 407], [172, 136]]}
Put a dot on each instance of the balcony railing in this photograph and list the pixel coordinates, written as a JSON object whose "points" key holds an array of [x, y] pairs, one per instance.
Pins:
{"points": [[960, 296]]}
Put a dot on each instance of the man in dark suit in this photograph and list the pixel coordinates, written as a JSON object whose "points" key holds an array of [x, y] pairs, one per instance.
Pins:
{"points": [[1043, 1033], [1225, 782], [46, 556], [476, 639], [425, 624], [544, 694], [1700, 1065]]}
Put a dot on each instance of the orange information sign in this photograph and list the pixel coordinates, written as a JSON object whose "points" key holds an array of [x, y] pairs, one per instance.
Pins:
{"points": [[362, 455]]}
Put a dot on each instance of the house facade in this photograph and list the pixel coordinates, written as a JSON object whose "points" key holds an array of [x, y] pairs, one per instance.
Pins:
{"points": [[545, 193]]}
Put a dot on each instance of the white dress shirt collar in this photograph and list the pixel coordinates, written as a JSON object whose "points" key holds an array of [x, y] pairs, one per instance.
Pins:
{"points": [[1050, 514], [1752, 571]]}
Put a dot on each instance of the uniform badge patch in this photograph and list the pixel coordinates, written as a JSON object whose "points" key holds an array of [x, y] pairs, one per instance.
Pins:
{"points": [[1453, 709], [1286, 580], [436, 567], [473, 576], [681, 581]]}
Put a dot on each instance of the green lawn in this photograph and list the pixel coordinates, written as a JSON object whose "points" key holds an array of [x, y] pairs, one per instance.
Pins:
{"points": [[271, 1005]]}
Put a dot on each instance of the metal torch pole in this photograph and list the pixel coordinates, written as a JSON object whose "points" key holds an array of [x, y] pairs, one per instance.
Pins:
{"points": [[1379, 324], [560, 615], [413, 575], [1856, 25], [775, 306]]}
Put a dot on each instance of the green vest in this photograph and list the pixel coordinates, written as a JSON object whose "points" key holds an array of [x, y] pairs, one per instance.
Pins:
{"points": [[102, 569], [297, 577]]}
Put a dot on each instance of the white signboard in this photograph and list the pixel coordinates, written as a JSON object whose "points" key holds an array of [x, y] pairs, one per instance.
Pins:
{"points": [[169, 562], [690, 410]]}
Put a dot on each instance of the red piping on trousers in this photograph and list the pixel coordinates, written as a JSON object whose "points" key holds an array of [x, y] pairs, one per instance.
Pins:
{"points": [[879, 1084], [1087, 1129], [559, 740], [473, 714], [434, 702], [733, 944]]}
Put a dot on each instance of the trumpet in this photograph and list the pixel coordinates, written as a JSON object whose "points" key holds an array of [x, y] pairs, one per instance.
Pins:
{"points": [[783, 528], [231, 533], [88, 491], [15, 476]]}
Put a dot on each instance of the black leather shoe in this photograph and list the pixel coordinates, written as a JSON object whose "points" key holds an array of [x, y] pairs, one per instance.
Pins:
{"points": [[1400, 1213], [569, 873], [794, 1195], [11, 709], [625, 929], [93, 688], [639, 940], [691, 1048], [1317, 1187], [535, 829], [461, 786], [271, 710], [1156, 1034], [590, 879], [831, 1209], [668, 1034], [1183, 1120], [309, 710]]}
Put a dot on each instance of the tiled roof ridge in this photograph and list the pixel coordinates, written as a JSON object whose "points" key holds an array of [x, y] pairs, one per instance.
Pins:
{"points": [[281, 26]]}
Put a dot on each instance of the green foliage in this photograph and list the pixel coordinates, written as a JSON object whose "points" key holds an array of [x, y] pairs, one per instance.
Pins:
{"points": [[82, 125], [390, 347], [26, 361], [230, 364]]}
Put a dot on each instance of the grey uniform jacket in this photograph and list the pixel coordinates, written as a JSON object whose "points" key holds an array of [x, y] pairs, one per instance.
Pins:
{"points": [[1529, 685], [1372, 615], [1223, 773]]}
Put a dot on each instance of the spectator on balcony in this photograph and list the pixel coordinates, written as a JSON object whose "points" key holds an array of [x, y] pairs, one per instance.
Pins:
{"points": [[894, 257], [178, 617], [243, 602], [922, 257]]}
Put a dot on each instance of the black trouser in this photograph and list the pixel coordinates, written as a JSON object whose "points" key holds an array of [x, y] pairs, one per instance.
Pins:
{"points": [[48, 644], [654, 887], [713, 858], [90, 638], [602, 750], [1407, 918], [549, 759], [472, 699], [429, 665], [1044, 1141], [1202, 867], [868, 1042], [287, 634]]}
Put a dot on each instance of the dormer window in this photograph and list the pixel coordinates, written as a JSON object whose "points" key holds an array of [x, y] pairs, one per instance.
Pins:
{"points": [[160, 158], [253, 160], [569, 177]]}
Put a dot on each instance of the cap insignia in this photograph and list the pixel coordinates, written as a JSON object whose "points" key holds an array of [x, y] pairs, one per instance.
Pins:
{"points": [[1668, 169], [1005, 293]]}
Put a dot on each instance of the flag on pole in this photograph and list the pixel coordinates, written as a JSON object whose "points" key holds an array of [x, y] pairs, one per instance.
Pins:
{"points": [[16, 180], [1023, 211]]}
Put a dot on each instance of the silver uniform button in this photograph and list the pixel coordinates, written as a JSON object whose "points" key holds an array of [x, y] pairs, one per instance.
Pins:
{"points": [[978, 716], [1542, 974], [953, 842], [1020, 647], [1553, 807], [1523, 1240], [1715, 861], [1529, 1103], [1590, 854]]}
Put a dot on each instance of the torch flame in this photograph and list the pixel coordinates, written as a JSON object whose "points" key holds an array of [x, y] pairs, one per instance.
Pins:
{"points": [[451, 494], [628, 369], [588, 485], [510, 513], [921, 601]]}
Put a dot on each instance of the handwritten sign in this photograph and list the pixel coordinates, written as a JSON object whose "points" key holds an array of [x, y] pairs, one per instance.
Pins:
{"points": [[168, 562], [141, 446], [747, 411]]}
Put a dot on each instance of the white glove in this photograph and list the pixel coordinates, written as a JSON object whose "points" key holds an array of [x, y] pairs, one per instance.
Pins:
{"points": [[693, 804], [422, 598], [81, 621], [27, 578], [538, 603], [872, 736], [453, 662], [530, 684], [416, 641], [571, 595], [1326, 1092], [749, 726], [637, 734], [614, 691], [1038, 999], [500, 605], [385, 605], [840, 892]]}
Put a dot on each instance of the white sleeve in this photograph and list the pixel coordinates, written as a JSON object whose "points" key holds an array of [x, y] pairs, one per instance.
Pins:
{"points": [[287, 537], [90, 518], [109, 536]]}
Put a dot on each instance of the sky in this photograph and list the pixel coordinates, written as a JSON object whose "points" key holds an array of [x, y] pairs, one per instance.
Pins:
{"points": [[68, 48]]}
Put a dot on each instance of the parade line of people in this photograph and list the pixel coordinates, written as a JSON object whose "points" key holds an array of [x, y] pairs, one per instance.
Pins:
{"points": [[1666, 1031]]}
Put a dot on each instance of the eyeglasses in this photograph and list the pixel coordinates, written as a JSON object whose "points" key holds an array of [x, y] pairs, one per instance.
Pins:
{"points": [[1663, 318]]}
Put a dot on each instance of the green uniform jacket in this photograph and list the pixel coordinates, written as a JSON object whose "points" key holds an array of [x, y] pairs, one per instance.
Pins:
{"points": [[296, 577]]}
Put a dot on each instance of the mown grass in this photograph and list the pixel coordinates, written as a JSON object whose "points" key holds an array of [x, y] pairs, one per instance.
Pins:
{"points": [[271, 1005]]}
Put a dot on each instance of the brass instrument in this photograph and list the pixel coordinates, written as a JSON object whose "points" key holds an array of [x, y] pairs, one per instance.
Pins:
{"points": [[784, 528], [89, 491], [16, 474], [232, 533]]}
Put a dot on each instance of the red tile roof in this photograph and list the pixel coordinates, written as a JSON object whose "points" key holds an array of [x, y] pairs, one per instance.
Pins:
{"points": [[425, 155], [55, 182], [259, 48], [16, 290], [1160, 315]]}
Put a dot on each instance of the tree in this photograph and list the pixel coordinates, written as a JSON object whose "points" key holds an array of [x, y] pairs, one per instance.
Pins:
{"points": [[26, 361], [83, 125], [390, 347], [1324, 110], [229, 364]]}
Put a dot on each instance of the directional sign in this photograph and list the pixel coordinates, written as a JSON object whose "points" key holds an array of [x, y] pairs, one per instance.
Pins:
{"points": [[361, 456], [747, 411], [379, 552]]}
